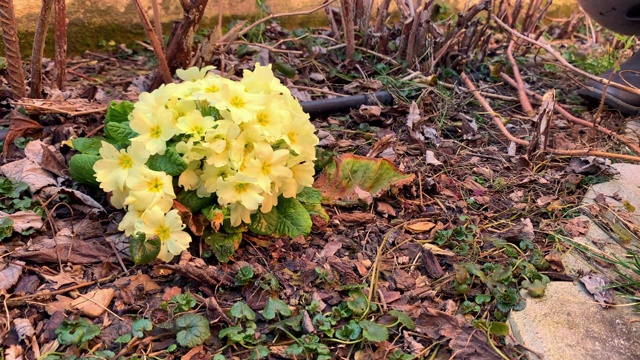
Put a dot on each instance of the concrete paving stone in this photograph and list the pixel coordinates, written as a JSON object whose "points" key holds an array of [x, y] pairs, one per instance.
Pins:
{"points": [[568, 324]]}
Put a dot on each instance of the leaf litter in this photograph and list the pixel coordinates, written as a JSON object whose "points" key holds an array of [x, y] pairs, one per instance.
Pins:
{"points": [[427, 205]]}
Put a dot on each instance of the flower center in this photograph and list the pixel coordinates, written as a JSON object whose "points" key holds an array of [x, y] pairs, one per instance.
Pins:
{"points": [[125, 161], [212, 88], [241, 187], [262, 119], [163, 232], [156, 132], [237, 102], [156, 185]]}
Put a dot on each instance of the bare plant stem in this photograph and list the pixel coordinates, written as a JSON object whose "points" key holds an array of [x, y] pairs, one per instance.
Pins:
{"points": [[12, 49], [61, 42], [562, 111], [346, 7], [156, 21], [157, 47], [524, 100], [505, 132], [37, 51]]}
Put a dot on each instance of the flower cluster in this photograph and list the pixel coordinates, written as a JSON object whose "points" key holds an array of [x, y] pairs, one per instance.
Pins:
{"points": [[245, 142]]}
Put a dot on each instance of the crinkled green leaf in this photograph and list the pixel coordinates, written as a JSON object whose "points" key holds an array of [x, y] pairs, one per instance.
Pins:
{"points": [[309, 195], [143, 250], [350, 331], [244, 275], [76, 332], [316, 209], [233, 333], [222, 245], [81, 168], [373, 331], [6, 227], [118, 111], [241, 310], [493, 327], [89, 146], [275, 306], [119, 133], [357, 302], [535, 289], [139, 326], [348, 176], [289, 218], [403, 318], [12, 189], [170, 162], [194, 330], [192, 201]]}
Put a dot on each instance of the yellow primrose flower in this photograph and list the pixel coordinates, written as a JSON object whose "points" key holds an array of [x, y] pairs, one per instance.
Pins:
{"points": [[262, 81], [180, 107], [190, 178], [268, 166], [299, 135], [191, 150], [194, 124], [239, 214], [270, 199], [237, 104], [271, 119], [118, 197], [193, 73], [128, 222], [149, 104], [116, 166], [152, 188], [154, 131], [168, 228], [239, 189], [211, 174], [218, 142]]}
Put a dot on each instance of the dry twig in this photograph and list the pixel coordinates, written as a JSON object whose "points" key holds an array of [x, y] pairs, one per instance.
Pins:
{"points": [[37, 51], [157, 47], [524, 100], [61, 41]]}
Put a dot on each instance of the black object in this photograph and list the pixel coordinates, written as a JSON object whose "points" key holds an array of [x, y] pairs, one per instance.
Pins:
{"points": [[344, 104]]}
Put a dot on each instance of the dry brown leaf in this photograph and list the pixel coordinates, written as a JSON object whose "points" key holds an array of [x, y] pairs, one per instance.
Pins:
{"points": [[9, 275], [14, 352], [24, 220], [94, 303], [436, 250], [420, 227], [64, 248], [23, 328], [385, 208]]}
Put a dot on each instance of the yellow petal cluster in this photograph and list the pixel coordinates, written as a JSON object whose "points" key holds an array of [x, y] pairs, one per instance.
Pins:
{"points": [[247, 142]]}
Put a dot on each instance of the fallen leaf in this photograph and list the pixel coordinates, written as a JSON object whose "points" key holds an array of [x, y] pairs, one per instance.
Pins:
{"points": [[60, 279], [94, 303], [133, 287], [24, 220], [29, 172], [596, 285], [340, 178], [355, 217], [13, 352], [330, 248], [431, 159], [23, 328], [9, 275], [421, 226], [385, 208], [169, 293], [63, 248]]}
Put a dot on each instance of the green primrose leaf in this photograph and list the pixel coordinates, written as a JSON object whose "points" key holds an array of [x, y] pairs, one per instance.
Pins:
{"points": [[119, 133], [171, 162], [275, 306], [259, 352], [223, 245], [316, 209], [12, 189], [284, 68], [6, 227], [139, 326], [143, 250], [89, 146], [294, 323], [193, 202], [81, 168], [76, 332], [403, 318], [309, 195], [241, 310], [493, 327], [289, 218], [374, 332], [104, 354], [244, 275], [194, 330], [118, 112]]}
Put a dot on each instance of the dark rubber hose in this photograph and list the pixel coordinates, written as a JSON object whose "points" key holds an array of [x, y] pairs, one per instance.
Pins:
{"points": [[344, 104]]}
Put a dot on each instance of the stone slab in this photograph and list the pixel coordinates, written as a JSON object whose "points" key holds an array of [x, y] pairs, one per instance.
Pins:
{"points": [[568, 324]]}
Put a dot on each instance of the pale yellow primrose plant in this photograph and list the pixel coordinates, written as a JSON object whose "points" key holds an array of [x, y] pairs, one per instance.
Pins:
{"points": [[258, 144]]}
